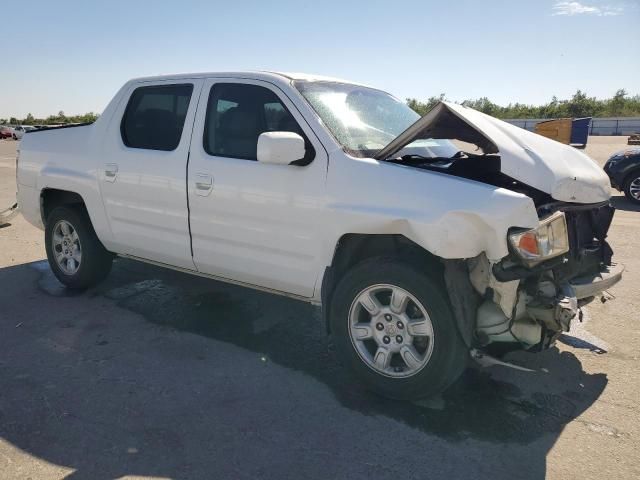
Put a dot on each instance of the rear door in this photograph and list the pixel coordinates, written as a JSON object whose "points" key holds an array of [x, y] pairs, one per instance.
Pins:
{"points": [[253, 222], [143, 171]]}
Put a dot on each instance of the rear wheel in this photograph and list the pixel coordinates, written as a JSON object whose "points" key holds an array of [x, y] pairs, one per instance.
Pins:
{"points": [[76, 256], [394, 328], [632, 187]]}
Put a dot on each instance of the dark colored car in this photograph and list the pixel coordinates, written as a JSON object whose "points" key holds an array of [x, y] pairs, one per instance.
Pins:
{"points": [[623, 169]]}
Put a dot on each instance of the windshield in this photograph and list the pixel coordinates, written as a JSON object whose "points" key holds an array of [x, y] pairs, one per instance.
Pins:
{"points": [[364, 120]]}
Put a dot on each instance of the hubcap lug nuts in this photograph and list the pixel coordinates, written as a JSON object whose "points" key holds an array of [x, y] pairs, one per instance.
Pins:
{"points": [[387, 317], [386, 339], [379, 326], [400, 325], [399, 339]]}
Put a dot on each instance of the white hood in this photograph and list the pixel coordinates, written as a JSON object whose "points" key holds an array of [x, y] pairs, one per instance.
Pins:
{"points": [[560, 170]]}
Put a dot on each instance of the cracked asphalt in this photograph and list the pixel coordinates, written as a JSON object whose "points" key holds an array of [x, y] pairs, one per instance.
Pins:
{"points": [[157, 374]]}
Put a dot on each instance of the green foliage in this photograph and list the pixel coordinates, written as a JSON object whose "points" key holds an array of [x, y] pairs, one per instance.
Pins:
{"points": [[423, 108], [58, 119], [580, 105]]}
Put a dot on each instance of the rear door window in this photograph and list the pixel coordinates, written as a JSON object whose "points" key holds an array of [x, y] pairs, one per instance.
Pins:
{"points": [[154, 117]]}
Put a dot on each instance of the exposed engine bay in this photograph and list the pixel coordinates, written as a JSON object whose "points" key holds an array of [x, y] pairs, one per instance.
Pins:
{"points": [[510, 157], [485, 168]]}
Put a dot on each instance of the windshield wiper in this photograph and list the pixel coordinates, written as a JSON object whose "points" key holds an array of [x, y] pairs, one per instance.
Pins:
{"points": [[415, 159], [415, 156]]}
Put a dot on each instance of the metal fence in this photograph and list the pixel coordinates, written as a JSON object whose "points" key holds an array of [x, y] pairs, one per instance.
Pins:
{"points": [[599, 126]]}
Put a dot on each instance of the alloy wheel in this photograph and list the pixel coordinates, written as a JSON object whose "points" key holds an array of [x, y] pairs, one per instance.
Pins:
{"points": [[391, 330], [66, 247], [634, 188]]}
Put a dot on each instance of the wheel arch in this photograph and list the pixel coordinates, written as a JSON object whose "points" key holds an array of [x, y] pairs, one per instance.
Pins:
{"points": [[353, 248], [51, 198]]}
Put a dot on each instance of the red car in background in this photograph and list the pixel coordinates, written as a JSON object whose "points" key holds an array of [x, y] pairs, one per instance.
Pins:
{"points": [[6, 132]]}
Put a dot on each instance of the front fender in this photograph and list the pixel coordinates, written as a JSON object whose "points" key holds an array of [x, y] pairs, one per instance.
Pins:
{"points": [[448, 216]]}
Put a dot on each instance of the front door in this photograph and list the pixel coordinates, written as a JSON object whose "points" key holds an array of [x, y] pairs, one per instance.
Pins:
{"points": [[253, 222]]}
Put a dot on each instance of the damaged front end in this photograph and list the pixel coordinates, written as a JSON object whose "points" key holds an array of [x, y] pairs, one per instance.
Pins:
{"points": [[529, 302], [530, 296]]}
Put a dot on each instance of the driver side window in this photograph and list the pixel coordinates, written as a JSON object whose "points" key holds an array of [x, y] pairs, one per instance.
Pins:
{"points": [[236, 116]]}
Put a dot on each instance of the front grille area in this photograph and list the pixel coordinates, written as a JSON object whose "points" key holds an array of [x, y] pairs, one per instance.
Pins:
{"points": [[589, 250]]}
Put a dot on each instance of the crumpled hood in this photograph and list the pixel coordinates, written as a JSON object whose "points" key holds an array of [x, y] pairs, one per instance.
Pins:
{"points": [[560, 170]]}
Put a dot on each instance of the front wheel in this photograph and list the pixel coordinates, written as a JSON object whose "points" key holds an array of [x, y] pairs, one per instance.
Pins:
{"points": [[76, 256], [632, 187], [394, 328]]}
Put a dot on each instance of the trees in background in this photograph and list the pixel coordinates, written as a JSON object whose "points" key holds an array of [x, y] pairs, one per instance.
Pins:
{"points": [[580, 105], [58, 119]]}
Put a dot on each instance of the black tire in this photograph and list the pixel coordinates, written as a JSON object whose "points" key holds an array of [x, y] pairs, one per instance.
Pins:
{"points": [[449, 356], [96, 261], [634, 176]]}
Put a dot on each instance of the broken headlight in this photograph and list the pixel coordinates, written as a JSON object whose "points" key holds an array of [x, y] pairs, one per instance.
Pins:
{"points": [[548, 240]]}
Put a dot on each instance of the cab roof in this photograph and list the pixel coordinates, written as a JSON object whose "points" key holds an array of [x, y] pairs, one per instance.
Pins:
{"points": [[275, 77]]}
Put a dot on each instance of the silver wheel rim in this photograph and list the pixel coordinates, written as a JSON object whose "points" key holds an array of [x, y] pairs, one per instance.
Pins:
{"points": [[66, 247], [634, 188], [391, 331]]}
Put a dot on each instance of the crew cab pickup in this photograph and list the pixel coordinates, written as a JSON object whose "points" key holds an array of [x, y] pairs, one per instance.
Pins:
{"points": [[424, 239]]}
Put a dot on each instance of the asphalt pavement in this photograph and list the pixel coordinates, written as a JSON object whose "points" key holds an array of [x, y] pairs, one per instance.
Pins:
{"points": [[157, 374]]}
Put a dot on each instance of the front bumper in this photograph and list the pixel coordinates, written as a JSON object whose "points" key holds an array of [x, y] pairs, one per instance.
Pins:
{"points": [[612, 176], [557, 312], [591, 285]]}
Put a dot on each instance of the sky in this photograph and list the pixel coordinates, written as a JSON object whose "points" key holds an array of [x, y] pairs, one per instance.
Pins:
{"points": [[74, 55]]}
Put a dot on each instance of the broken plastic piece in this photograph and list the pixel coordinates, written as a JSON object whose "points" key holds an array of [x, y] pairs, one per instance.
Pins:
{"points": [[485, 360]]}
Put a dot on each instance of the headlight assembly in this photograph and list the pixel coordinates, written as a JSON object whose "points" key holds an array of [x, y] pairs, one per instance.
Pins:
{"points": [[548, 240]]}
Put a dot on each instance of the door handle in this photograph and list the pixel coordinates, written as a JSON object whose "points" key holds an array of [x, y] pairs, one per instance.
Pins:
{"points": [[110, 172], [204, 184]]}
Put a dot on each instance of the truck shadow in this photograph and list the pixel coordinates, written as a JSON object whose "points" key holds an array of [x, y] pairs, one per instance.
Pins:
{"points": [[486, 410]]}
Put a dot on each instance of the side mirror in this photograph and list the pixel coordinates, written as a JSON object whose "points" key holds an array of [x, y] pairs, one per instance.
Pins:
{"points": [[280, 148]]}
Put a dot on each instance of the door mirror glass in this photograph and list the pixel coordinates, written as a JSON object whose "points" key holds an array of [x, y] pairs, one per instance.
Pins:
{"points": [[280, 148]]}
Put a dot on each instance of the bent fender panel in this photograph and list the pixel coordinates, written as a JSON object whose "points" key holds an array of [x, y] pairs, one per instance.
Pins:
{"points": [[448, 216]]}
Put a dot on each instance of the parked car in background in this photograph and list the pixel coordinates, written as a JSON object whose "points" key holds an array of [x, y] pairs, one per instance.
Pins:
{"points": [[6, 131], [623, 169], [20, 130], [420, 250]]}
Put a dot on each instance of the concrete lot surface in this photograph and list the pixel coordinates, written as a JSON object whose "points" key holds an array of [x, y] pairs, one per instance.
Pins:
{"points": [[156, 374]]}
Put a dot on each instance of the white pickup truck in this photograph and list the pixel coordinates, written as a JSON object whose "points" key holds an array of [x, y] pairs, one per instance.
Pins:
{"points": [[424, 239]]}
